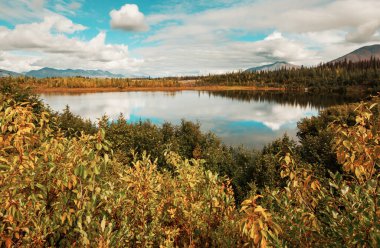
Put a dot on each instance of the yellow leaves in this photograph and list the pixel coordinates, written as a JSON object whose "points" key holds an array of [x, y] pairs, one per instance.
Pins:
{"points": [[287, 159], [103, 224], [97, 190], [256, 223], [63, 217], [315, 185], [347, 144], [106, 158], [172, 212], [88, 219], [373, 105], [357, 147], [74, 180]]}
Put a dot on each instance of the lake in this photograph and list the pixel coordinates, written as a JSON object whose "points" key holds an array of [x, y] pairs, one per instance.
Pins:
{"points": [[249, 118]]}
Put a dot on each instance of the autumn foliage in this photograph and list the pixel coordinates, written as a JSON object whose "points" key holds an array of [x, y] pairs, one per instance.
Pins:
{"points": [[65, 191]]}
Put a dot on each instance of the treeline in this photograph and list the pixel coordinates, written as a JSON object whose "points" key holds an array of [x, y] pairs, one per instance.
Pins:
{"points": [[338, 76], [84, 82], [333, 77], [66, 182]]}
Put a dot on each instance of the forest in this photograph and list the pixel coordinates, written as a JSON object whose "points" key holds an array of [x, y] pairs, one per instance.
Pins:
{"points": [[337, 76], [66, 181], [331, 77]]}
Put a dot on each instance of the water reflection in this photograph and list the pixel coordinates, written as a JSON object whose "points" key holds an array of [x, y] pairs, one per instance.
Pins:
{"points": [[240, 117], [294, 98]]}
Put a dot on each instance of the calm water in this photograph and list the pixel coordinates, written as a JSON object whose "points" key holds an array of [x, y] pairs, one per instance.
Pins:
{"points": [[252, 119]]}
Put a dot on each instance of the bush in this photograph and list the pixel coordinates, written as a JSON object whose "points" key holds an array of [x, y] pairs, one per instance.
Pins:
{"points": [[58, 191], [73, 191], [342, 213]]}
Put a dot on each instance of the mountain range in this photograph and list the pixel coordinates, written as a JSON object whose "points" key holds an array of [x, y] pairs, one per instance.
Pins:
{"points": [[273, 67], [51, 72], [4, 73], [361, 54]]}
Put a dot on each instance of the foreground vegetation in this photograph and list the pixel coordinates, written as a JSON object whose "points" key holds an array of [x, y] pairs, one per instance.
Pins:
{"points": [[66, 182], [330, 77]]}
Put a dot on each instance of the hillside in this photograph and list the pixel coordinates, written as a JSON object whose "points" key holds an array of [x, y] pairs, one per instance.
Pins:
{"points": [[273, 67], [5, 73], [361, 54], [51, 72]]}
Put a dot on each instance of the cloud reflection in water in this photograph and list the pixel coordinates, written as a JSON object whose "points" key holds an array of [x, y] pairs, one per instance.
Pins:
{"points": [[251, 123]]}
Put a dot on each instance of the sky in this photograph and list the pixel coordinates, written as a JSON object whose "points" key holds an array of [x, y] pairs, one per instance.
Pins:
{"points": [[173, 38]]}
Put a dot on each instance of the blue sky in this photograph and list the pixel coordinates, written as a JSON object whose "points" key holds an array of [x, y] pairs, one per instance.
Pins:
{"points": [[173, 37]]}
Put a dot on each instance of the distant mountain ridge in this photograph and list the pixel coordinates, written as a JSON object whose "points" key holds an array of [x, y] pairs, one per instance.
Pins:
{"points": [[51, 72], [361, 54], [5, 73], [274, 67]]}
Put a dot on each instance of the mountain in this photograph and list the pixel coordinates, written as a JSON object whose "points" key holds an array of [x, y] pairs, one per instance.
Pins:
{"points": [[363, 53], [273, 67], [4, 73], [51, 72]]}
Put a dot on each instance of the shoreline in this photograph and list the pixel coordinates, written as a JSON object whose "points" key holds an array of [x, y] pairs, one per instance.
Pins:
{"points": [[59, 90]]}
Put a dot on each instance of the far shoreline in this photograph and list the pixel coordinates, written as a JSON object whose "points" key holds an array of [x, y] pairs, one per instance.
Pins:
{"points": [[58, 90]]}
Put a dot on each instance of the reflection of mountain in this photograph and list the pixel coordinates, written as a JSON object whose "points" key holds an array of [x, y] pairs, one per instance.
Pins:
{"points": [[285, 97]]}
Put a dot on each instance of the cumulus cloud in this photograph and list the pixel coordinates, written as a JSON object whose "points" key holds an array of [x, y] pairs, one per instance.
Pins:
{"points": [[365, 32], [128, 18], [211, 38], [17, 62], [203, 54], [39, 35], [306, 32], [48, 45]]}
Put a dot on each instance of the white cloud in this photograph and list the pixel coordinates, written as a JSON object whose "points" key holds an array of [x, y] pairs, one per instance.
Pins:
{"points": [[183, 40], [70, 7], [17, 11], [39, 35], [365, 32], [47, 44], [128, 18], [17, 62], [305, 32], [204, 55]]}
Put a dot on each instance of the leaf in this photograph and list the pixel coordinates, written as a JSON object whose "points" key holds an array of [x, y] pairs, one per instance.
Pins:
{"points": [[63, 217], [347, 144], [373, 105], [88, 219], [98, 146], [287, 159], [106, 158], [103, 224], [8, 242]]}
